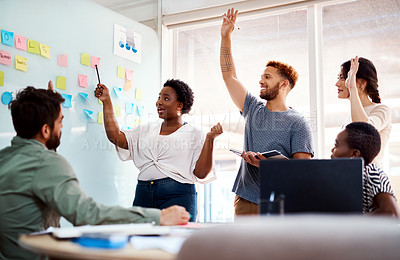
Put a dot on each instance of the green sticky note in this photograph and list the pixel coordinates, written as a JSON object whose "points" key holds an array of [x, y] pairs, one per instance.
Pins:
{"points": [[1, 78], [33, 46], [121, 72], [85, 59], [61, 82]]}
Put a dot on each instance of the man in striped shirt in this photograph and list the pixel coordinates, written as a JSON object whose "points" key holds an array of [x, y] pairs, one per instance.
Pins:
{"points": [[360, 139]]}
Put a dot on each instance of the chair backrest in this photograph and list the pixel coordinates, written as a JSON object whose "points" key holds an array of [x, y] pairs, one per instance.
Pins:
{"points": [[312, 186], [297, 237]]}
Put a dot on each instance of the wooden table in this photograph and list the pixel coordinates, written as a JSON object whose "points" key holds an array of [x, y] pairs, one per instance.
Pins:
{"points": [[65, 249]]}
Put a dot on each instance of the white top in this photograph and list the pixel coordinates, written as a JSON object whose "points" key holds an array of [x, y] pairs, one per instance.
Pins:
{"points": [[160, 156], [380, 116]]}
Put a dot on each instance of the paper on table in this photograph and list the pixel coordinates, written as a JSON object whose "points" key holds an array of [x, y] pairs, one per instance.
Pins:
{"points": [[128, 229], [169, 244]]}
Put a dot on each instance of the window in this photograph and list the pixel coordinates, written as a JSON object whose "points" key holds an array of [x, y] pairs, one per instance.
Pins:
{"points": [[365, 27], [280, 37]]}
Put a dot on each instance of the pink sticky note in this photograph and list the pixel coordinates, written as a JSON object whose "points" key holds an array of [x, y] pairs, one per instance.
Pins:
{"points": [[63, 60], [95, 61], [128, 74], [20, 42], [5, 58], [82, 81]]}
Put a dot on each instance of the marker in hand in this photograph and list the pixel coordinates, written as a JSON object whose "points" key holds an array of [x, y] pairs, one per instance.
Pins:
{"points": [[229, 20], [98, 77]]}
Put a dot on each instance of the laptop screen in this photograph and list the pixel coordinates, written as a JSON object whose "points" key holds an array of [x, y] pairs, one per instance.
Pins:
{"points": [[311, 186]]}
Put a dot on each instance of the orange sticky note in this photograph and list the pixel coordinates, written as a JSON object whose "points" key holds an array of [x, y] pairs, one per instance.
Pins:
{"points": [[82, 81], [127, 85]]}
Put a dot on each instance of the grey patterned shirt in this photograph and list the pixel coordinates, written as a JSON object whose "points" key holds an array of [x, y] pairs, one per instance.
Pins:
{"points": [[287, 132]]}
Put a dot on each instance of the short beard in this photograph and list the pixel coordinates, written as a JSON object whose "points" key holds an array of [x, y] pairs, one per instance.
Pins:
{"points": [[270, 93], [53, 142]]}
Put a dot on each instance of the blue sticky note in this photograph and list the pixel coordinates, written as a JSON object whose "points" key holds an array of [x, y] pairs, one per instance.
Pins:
{"points": [[118, 91], [7, 38], [129, 108], [88, 113], [6, 98], [83, 95], [67, 102], [140, 110], [125, 127]]}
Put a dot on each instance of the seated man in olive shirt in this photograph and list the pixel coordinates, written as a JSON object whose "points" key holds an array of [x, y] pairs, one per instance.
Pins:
{"points": [[37, 185]]}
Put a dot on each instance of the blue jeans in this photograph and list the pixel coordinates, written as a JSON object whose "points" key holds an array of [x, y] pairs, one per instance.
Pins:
{"points": [[166, 192]]}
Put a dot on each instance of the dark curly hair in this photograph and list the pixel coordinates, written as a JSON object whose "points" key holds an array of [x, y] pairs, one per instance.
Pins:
{"points": [[33, 108], [367, 72], [184, 93], [365, 138]]}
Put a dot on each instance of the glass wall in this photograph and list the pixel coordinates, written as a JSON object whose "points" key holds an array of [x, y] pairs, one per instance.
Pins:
{"points": [[280, 37], [366, 28], [369, 29]]}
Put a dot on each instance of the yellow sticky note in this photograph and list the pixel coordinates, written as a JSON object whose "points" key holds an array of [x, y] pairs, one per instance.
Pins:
{"points": [[85, 59], [45, 50], [121, 72], [101, 103], [138, 122], [117, 111], [139, 94], [61, 82], [20, 63], [33, 46], [1, 78], [127, 85], [100, 118]]}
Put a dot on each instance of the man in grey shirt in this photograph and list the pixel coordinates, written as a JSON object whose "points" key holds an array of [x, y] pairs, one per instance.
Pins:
{"points": [[273, 126]]}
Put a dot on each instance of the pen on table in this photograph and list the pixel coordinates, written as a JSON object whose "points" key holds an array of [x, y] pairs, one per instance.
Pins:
{"points": [[229, 20], [97, 73]]}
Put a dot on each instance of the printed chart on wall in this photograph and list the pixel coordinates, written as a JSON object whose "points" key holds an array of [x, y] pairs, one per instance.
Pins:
{"points": [[127, 43]]}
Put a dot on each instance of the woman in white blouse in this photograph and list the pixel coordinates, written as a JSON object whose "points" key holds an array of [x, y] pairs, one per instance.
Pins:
{"points": [[171, 155], [358, 82]]}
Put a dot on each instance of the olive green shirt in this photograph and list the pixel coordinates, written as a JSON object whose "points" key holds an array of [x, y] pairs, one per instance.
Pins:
{"points": [[37, 186]]}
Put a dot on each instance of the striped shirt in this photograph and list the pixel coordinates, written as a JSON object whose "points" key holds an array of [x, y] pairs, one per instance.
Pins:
{"points": [[375, 181]]}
